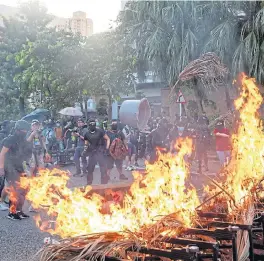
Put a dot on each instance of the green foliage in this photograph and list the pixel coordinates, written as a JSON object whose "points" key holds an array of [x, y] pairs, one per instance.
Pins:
{"points": [[167, 35], [42, 67]]}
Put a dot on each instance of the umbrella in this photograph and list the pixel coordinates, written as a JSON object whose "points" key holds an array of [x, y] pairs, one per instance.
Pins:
{"points": [[71, 111], [31, 117], [40, 111]]}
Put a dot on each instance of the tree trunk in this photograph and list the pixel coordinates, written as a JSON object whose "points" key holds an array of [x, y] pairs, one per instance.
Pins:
{"points": [[109, 111], [85, 108], [22, 106], [198, 97]]}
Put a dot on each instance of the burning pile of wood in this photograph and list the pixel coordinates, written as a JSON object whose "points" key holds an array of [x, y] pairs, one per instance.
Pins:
{"points": [[162, 217]]}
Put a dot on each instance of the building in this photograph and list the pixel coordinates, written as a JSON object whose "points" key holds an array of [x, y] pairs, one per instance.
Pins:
{"points": [[79, 23]]}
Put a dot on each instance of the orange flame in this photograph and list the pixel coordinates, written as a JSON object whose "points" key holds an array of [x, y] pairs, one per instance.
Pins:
{"points": [[160, 192], [13, 199], [246, 167]]}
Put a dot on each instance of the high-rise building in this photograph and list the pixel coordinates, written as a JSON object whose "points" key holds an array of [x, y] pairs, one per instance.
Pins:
{"points": [[79, 23]]}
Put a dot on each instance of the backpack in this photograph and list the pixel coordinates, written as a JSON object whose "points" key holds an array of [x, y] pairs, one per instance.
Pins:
{"points": [[118, 149]]}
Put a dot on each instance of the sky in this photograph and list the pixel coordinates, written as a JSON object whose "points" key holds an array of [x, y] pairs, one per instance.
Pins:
{"points": [[101, 11]]}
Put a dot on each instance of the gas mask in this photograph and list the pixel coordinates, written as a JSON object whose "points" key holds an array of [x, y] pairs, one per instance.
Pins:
{"points": [[92, 127]]}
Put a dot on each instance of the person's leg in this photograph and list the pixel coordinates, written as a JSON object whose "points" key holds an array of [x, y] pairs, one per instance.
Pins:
{"points": [[91, 167], [227, 156], [110, 164], [84, 162], [3, 195], [119, 167], [133, 155], [221, 157], [205, 159], [101, 159], [76, 158]]}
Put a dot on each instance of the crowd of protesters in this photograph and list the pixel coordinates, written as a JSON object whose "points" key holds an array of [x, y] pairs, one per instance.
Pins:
{"points": [[27, 147]]}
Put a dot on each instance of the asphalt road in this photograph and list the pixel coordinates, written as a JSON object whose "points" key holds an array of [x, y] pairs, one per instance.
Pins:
{"points": [[21, 240]]}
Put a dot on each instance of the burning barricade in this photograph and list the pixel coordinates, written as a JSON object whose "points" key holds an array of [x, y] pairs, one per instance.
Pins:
{"points": [[161, 217]]}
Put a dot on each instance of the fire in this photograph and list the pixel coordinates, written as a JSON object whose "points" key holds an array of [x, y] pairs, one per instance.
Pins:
{"points": [[246, 167], [13, 199], [162, 191]]}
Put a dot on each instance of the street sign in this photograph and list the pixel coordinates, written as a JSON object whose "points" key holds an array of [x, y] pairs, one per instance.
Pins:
{"points": [[180, 98]]}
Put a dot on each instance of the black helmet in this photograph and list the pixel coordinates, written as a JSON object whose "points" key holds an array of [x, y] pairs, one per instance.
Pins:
{"points": [[22, 125]]}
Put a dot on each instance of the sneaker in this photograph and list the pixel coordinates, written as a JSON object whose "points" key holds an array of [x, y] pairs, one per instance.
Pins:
{"points": [[123, 177], [4, 207], [77, 174], [22, 215], [13, 216]]}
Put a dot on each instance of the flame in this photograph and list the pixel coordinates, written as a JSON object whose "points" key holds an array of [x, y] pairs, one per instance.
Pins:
{"points": [[248, 143], [160, 192], [246, 168], [13, 199]]}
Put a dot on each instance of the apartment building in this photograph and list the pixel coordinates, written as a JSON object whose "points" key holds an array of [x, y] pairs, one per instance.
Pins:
{"points": [[79, 23]]}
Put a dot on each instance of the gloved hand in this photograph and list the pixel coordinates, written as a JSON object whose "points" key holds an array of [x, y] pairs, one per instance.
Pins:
{"points": [[2, 172]]}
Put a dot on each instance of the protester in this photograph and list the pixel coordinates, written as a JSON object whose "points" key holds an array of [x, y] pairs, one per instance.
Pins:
{"points": [[59, 137], [157, 140], [222, 140], [16, 149], [94, 151], [80, 133], [132, 151], [116, 136], [39, 149]]}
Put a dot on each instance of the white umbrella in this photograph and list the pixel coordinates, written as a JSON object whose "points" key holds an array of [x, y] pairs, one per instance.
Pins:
{"points": [[71, 111]]}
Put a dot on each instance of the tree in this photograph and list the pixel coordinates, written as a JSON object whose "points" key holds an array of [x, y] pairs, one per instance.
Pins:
{"points": [[109, 72], [52, 66], [14, 34], [170, 34]]}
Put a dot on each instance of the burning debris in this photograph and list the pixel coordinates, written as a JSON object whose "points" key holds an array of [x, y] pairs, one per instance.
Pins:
{"points": [[161, 217]]}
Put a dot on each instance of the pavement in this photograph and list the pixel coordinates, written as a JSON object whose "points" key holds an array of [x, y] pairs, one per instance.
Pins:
{"points": [[21, 240]]}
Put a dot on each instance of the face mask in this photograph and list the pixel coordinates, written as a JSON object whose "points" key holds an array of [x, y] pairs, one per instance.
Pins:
{"points": [[92, 127], [114, 127]]}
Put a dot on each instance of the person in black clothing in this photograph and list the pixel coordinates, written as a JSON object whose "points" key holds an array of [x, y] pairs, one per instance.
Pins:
{"points": [[79, 134], [16, 149], [202, 142], [157, 139], [113, 134], [93, 148]]}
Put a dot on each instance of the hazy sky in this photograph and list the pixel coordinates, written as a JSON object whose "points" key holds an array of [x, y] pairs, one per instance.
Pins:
{"points": [[101, 11]]}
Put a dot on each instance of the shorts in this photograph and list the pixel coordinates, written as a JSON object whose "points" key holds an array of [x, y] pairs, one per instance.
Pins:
{"points": [[131, 149], [111, 161]]}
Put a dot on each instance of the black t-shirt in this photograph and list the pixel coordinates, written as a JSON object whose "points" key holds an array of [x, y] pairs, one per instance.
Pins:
{"points": [[94, 138], [19, 150]]}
